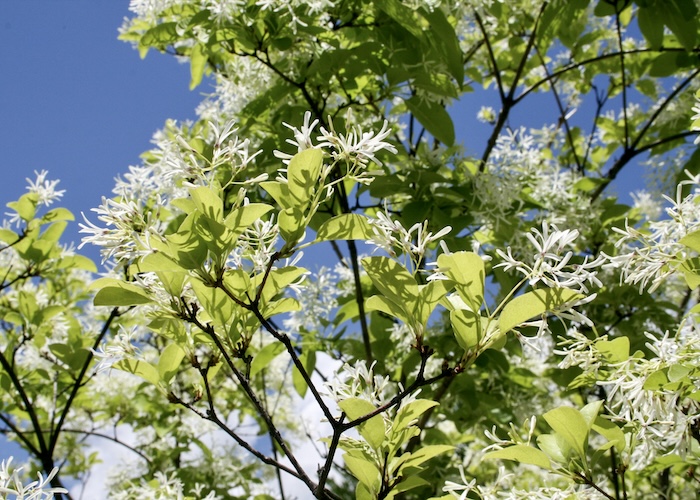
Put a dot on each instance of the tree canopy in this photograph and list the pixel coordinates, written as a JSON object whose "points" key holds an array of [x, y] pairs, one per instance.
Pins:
{"points": [[335, 284]]}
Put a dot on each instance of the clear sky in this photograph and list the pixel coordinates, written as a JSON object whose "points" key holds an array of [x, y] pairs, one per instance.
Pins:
{"points": [[76, 101]]}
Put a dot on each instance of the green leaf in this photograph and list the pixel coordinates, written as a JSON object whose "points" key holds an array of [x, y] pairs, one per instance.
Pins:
{"points": [[523, 454], [423, 454], [590, 412], [615, 351], [691, 240], [409, 483], [278, 280], [25, 206], [611, 432], [279, 192], [216, 303], [379, 303], [160, 35], [264, 357], [404, 16], [433, 116], [466, 269], [372, 430], [242, 217], [208, 202], [429, 296], [308, 361], [393, 281], [409, 413], [467, 328], [146, 371], [656, 380], [345, 227], [691, 272], [364, 470], [448, 43], [58, 214], [681, 18], [303, 174], [534, 303], [169, 362], [650, 25], [186, 248], [291, 224], [8, 236], [663, 65], [198, 61], [555, 447], [118, 293], [571, 426]]}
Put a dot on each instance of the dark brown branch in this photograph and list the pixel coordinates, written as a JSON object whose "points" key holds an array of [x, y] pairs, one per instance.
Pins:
{"points": [[78, 381], [507, 101], [618, 29], [209, 330]]}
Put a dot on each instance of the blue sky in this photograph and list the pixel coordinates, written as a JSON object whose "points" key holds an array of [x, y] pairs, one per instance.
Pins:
{"points": [[76, 101]]}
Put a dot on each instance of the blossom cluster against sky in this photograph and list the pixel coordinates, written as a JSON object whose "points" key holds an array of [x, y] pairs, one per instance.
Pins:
{"points": [[76, 101]]}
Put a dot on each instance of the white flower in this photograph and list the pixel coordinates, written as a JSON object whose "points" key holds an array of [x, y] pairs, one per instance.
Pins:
{"points": [[696, 117], [486, 115], [356, 146], [390, 235], [45, 189], [359, 381], [549, 266], [648, 257], [119, 347], [459, 490], [11, 484]]}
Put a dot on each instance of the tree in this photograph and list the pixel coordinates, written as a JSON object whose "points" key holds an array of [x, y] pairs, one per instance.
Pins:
{"points": [[480, 323]]}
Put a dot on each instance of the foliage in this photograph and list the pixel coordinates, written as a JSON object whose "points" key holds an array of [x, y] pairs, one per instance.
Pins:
{"points": [[549, 327]]}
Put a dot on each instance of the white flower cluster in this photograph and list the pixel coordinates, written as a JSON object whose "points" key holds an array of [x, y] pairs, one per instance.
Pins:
{"points": [[390, 236], [119, 347], [163, 487], [44, 189], [356, 148], [695, 125], [502, 488], [662, 418], [11, 484], [550, 265], [318, 300], [648, 257], [359, 381]]}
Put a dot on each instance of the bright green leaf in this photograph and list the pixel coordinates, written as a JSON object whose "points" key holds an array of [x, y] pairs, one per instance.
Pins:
{"points": [[145, 370], [208, 202], [466, 269], [467, 328], [264, 357], [345, 227], [303, 174], [534, 303], [523, 454], [121, 294], [364, 470], [198, 61], [392, 280], [372, 430], [433, 116], [571, 426], [169, 362]]}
